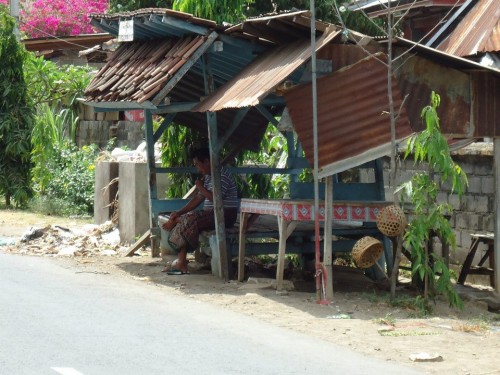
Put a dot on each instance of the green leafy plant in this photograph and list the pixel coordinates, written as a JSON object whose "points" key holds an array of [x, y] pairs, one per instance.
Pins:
{"points": [[273, 152], [219, 11], [50, 133], [70, 188], [430, 147], [16, 117], [177, 141], [56, 85], [53, 90]]}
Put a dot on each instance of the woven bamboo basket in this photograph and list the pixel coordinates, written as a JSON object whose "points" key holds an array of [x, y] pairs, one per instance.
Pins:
{"points": [[366, 251], [391, 221]]}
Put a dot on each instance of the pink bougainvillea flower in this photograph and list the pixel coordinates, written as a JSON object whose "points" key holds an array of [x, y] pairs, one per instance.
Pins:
{"points": [[44, 18]]}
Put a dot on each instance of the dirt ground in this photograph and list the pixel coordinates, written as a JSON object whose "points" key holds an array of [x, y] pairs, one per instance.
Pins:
{"points": [[359, 317]]}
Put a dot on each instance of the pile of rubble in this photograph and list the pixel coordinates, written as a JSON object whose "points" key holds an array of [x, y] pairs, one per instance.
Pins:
{"points": [[55, 240]]}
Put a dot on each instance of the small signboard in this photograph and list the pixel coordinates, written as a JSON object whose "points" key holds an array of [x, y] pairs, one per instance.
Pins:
{"points": [[134, 115], [126, 31]]}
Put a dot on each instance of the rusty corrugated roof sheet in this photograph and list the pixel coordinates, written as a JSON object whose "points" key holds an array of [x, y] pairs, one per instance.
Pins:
{"points": [[278, 28], [352, 125], [417, 77], [258, 79], [139, 70], [242, 81], [478, 32], [146, 13]]}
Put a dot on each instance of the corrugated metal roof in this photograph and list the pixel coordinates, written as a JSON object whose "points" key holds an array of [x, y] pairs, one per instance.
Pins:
{"points": [[258, 79], [444, 58], [240, 83], [278, 28], [153, 23], [398, 5], [352, 126], [477, 32]]}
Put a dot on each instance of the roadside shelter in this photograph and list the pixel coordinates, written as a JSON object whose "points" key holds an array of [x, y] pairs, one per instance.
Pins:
{"points": [[230, 82]]}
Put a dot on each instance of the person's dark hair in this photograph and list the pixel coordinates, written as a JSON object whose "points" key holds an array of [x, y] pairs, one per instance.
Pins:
{"points": [[201, 154]]}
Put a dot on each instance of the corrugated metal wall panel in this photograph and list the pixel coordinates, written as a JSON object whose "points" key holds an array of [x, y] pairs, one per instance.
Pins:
{"points": [[486, 105], [351, 118], [418, 77]]}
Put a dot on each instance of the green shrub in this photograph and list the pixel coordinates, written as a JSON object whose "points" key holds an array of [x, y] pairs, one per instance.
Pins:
{"points": [[70, 190]]}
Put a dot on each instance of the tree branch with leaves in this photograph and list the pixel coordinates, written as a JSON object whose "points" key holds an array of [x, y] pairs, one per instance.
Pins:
{"points": [[431, 148]]}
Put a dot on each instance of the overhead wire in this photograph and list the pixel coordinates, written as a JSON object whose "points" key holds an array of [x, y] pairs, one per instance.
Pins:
{"points": [[49, 35]]}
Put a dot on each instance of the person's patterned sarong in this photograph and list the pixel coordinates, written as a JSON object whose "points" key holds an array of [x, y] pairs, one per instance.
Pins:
{"points": [[186, 233]]}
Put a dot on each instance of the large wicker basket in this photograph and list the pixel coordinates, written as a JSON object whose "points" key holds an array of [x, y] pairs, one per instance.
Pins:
{"points": [[366, 251], [391, 221]]}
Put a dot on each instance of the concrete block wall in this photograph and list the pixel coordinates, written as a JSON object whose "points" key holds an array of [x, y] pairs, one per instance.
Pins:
{"points": [[128, 134], [93, 132], [474, 211]]}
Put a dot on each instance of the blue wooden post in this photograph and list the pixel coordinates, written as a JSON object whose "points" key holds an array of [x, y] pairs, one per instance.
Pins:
{"points": [[215, 146], [153, 222]]}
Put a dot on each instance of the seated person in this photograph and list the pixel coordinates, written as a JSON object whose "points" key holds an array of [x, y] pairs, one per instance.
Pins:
{"points": [[186, 224]]}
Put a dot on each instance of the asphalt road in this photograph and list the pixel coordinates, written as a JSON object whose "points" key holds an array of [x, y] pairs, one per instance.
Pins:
{"points": [[55, 319]]}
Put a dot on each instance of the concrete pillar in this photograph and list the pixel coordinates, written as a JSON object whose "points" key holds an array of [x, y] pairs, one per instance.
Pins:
{"points": [[133, 209], [133, 206], [105, 193]]}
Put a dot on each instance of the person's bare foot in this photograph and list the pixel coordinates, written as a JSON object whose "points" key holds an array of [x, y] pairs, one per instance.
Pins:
{"points": [[170, 265]]}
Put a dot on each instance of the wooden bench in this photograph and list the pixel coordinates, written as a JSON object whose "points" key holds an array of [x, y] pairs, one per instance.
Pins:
{"points": [[479, 269]]}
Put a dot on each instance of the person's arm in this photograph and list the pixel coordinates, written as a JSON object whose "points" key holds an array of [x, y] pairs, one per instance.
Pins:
{"points": [[207, 194], [190, 206]]}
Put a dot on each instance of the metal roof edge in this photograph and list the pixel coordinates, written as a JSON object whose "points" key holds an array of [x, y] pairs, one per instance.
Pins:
{"points": [[227, 96], [468, 64], [354, 161], [119, 105]]}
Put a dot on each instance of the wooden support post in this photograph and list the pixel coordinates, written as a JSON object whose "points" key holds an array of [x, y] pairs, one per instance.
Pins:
{"points": [[220, 227], [242, 245], [215, 147], [282, 227], [327, 251], [150, 153], [496, 163]]}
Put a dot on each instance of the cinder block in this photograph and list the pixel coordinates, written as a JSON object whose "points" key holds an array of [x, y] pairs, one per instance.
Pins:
{"points": [[483, 169], [488, 222], [468, 168], [442, 197], [462, 221], [474, 222], [474, 185], [482, 204], [488, 185], [458, 238], [477, 203], [455, 201], [466, 241]]}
